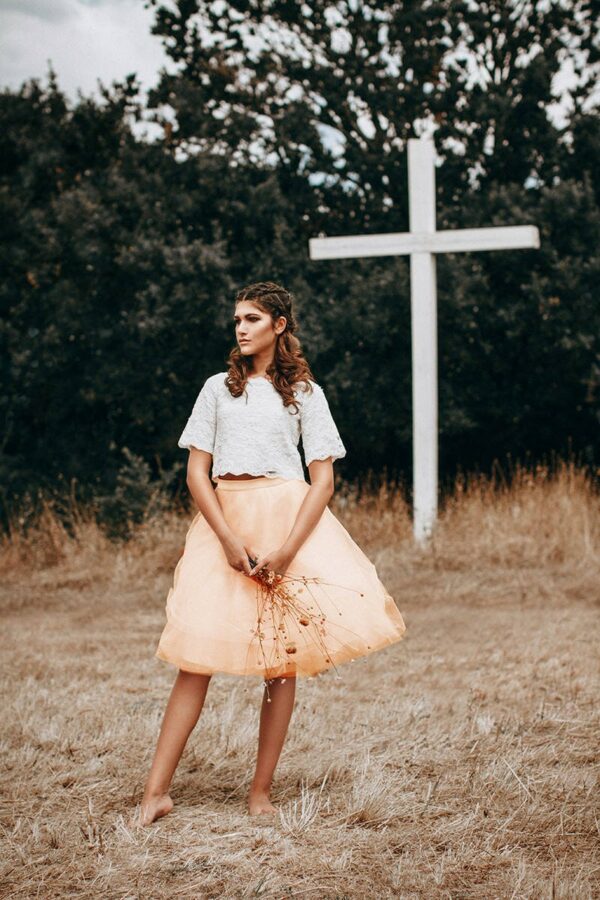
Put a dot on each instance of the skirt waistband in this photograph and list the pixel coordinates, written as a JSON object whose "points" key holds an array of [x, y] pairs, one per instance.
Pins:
{"points": [[244, 484]]}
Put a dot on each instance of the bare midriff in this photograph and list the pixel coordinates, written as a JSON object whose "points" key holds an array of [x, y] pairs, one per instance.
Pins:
{"points": [[228, 475]]}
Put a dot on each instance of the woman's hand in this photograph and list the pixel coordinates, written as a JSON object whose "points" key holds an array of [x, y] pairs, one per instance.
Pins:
{"points": [[238, 553], [278, 561]]}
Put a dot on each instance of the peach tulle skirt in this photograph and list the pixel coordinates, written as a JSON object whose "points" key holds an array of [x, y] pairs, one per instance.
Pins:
{"points": [[330, 606]]}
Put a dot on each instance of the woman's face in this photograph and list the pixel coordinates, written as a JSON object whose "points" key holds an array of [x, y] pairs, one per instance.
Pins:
{"points": [[254, 329]]}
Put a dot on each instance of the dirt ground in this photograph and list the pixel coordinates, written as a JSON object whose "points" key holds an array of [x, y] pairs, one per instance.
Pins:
{"points": [[461, 762]]}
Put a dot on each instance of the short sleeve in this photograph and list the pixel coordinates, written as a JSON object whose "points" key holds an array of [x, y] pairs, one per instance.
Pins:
{"points": [[201, 426], [320, 437]]}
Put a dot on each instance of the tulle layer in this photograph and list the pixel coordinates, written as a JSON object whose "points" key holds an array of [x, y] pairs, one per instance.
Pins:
{"points": [[329, 608]]}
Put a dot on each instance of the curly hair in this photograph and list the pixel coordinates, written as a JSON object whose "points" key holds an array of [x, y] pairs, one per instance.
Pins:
{"points": [[289, 365]]}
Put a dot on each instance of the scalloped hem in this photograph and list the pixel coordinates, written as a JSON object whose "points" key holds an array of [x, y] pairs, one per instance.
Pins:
{"points": [[218, 479]]}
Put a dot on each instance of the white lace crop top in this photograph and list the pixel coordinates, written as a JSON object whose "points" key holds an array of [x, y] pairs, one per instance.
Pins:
{"points": [[256, 434]]}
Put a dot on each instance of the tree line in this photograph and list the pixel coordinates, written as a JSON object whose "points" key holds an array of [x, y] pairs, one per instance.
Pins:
{"points": [[121, 253]]}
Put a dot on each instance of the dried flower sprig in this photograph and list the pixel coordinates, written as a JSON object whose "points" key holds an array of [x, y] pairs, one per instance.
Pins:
{"points": [[279, 604]]}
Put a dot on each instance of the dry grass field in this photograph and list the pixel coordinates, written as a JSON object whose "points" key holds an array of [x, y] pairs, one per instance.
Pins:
{"points": [[461, 762]]}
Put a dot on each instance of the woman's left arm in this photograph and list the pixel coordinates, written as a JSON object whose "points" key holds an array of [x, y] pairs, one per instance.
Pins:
{"points": [[312, 508]]}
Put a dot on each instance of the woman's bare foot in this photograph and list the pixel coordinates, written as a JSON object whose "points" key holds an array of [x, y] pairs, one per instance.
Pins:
{"points": [[153, 808], [259, 803]]}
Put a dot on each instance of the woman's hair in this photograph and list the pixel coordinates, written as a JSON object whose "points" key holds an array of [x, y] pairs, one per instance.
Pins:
{"points": [[289, 365]]}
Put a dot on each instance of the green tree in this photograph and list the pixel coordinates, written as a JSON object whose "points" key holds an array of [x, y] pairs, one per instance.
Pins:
{"points": [[327, 94], [113, 275]]}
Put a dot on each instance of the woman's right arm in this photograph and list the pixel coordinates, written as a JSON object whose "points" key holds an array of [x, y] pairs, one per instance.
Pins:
{"points": [[200, 487]]}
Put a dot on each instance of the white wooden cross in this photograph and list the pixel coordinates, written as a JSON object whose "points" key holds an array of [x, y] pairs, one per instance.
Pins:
{"points": [[422, 242]]}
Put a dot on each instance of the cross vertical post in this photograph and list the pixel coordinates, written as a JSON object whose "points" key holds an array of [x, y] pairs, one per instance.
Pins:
{"points": [[423, 307]]}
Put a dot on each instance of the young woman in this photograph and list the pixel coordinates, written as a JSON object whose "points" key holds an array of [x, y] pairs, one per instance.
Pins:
{"points": [[262, 519]]}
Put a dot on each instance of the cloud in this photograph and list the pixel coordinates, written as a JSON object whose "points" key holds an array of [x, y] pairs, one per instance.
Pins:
{"points": [[48, 10], [84, 41]]}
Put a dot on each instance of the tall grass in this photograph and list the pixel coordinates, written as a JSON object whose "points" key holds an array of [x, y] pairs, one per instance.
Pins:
{"points": [[540, 517]]}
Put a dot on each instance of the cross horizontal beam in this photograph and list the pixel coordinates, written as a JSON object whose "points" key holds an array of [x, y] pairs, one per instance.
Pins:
{"points": [[402, 243]]}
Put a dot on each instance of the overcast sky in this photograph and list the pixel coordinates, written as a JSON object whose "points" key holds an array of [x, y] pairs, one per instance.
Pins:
{"points": [[87, 40], [84, 39]]}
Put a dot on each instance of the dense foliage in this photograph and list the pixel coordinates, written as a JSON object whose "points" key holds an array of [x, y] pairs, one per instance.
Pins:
{"points": [[121, 254]]}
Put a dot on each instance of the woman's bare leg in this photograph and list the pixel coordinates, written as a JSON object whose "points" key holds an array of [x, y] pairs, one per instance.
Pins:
{"points": [[274, 720], [181, 714]]}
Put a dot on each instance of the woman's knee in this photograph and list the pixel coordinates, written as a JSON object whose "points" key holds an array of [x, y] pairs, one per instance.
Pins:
{"points": [[199, 676]]}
